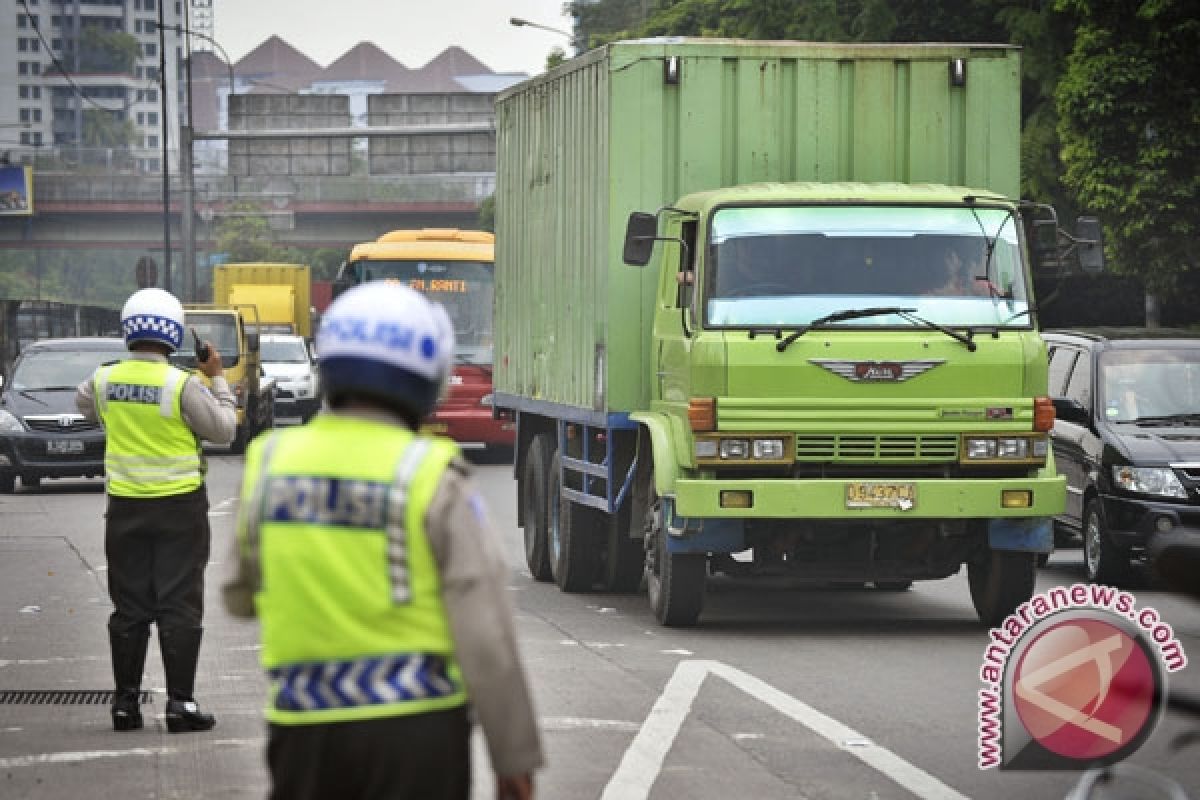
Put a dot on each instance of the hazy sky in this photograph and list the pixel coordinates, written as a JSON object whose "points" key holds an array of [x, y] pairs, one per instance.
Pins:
{"points": [[412, 31]]}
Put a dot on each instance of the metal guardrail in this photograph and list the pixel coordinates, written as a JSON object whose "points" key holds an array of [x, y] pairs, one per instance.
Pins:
{"points": [[273, 191]]}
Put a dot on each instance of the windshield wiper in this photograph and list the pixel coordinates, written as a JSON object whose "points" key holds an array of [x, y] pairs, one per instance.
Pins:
{"points": [[56, 388], [966, 338], [25, 393], [1167, 419], [838, 316]]}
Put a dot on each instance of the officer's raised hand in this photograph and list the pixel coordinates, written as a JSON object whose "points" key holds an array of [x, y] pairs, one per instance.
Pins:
{"points": [[211, 366]]}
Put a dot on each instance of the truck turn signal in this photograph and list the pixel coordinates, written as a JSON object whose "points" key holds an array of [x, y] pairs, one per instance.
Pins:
{"points": [[1043, 414], [702, 414]]}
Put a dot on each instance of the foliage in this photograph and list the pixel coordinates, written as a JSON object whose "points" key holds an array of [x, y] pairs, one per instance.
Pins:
{"points": [[487, 213], [244, 233], [1129, 108], [104, 277], [107, 51], [107, 129]]}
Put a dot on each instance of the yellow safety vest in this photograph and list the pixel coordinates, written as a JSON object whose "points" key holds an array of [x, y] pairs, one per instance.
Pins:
{"points": [[149, 450], [353, 625]]}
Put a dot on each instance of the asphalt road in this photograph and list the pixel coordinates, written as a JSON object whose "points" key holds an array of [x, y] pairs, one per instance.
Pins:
{"points": [[780, 692]]}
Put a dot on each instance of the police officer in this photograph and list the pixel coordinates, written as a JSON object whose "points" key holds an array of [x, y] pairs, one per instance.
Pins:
{"points": [[156, 534], [368, 555]]}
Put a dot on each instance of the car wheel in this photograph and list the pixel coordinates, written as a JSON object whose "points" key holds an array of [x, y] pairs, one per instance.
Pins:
{"points": [[1000, 581], [1103, 561], [8, 483], [533, 498]]}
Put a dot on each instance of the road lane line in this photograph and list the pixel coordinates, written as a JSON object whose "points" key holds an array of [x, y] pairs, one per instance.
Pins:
{"points": [[643, 761], [86, 755]]}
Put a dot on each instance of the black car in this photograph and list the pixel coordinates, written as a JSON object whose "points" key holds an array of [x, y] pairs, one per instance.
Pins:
{"points": [[1127, 438], [42, 434]]}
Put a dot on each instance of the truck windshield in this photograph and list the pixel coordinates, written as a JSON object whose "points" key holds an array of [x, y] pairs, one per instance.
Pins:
{"points": [[220, 329], [465, 288], [787, 266]]}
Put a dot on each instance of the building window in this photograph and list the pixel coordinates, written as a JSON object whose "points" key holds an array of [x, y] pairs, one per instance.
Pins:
{"points": [[151, 73], [149, 49], [152, 118], [26, 138], [23, 68], [23, 45], [24, 115], [23, 92], [151, 141], [35, 67]]}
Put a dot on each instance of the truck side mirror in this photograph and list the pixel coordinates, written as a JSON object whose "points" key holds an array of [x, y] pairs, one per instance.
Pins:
{"points": [[640, 233], [1090, 235]]}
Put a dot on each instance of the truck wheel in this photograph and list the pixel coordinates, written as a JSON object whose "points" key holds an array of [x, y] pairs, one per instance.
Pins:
{"points": [[1000, 582], [8, 483], [1103, 561], [674, 581], [624, 558], [533, 498], [571, 531]]}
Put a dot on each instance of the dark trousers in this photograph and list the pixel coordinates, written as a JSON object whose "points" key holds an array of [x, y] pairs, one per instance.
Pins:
{"points": [[422, 757], [157, 550]]}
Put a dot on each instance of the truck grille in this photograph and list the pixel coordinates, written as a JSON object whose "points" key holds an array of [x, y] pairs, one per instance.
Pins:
{"points": [[867, 447]]}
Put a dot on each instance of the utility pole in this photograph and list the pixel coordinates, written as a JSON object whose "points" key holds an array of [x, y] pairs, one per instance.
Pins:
{"points": [[187, 169], [166, 170]]}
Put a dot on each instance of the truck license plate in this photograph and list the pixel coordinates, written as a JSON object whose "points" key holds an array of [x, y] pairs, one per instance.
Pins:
{"points": [[864, 494], [64, 446]]}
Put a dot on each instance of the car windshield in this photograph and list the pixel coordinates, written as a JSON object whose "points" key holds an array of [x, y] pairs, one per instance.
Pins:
{"points": [[792, 265], [284, 351], [60, 369], [1150, 383]]}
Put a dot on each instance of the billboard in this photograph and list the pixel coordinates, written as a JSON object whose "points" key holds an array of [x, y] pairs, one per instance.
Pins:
{"points": [[16, 191]]}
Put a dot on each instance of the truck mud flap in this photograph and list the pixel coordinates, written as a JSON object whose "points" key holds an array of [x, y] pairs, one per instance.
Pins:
{"points": [[1027, 535], [685, 535]]}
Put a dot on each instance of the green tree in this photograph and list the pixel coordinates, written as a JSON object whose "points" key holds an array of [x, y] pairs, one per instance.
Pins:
{"points": [[487, 213], [1129, 120], [107, 129], [107, 51], [244, 233]]}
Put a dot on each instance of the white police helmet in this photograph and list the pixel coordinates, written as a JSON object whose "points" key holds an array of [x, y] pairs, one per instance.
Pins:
{"points": [[385, 340], [153, 315]]}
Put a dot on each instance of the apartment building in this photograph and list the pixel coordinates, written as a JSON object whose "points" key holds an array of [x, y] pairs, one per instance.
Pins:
{"points": [[79, 81]]}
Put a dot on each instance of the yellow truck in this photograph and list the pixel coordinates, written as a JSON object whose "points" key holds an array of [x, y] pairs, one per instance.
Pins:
{"points": [[282, 293], [232, 330]]}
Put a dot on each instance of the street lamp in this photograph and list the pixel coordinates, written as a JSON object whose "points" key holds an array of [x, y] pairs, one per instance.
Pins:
{"points": [[521, 23]]}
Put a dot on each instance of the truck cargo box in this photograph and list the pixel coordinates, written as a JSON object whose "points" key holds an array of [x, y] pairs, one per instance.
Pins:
{"points": [[281, 292], [634, 125]]}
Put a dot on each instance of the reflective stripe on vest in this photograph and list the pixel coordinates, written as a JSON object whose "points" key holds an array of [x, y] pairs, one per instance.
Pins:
{"points": [[148, 453], [365, 682]]}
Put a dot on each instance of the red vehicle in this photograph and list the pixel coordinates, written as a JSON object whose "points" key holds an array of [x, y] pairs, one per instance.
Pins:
{"points": [[455, 268]]}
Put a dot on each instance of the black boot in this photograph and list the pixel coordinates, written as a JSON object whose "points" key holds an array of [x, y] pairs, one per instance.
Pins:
{"points": [[128, 660], [180, 651]]}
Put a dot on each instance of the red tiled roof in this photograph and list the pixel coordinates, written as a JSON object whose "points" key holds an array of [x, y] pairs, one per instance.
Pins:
{"points": [[279, 63], [365, 61]]}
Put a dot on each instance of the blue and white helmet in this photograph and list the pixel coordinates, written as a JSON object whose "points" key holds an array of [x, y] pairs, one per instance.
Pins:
{"points": [[385, 340], [153, 315]]}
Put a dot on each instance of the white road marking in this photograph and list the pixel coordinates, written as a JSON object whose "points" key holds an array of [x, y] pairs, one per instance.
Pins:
{"points": [[224, 507], [86, 755], [584, 723], [644, 759]]}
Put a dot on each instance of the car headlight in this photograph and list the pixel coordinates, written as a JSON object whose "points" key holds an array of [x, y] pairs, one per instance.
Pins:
{"points": [[10, 424], [1161, 481]]}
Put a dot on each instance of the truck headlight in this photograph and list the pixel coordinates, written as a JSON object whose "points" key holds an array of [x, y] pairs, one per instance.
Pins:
{"points": [[1010, 449], [10, 424], [770, 449], [1161, 481]]}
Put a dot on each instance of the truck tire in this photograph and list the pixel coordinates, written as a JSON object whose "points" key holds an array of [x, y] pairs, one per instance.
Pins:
{"points": [[674, 581], [624, 558], [571, 532], [1000, 582], [533, 498]]}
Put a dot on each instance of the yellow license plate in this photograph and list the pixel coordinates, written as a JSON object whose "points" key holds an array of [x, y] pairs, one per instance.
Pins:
{"points": [[435, 427], [871, 494]]}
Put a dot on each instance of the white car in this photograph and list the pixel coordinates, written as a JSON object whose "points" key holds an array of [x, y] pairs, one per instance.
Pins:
{"points": [[287, 359]]}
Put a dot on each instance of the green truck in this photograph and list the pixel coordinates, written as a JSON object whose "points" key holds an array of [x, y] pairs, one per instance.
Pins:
{"points": [[764, 309]]}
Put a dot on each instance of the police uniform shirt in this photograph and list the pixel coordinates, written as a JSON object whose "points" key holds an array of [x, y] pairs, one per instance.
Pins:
{"points": [[211, 415]]}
